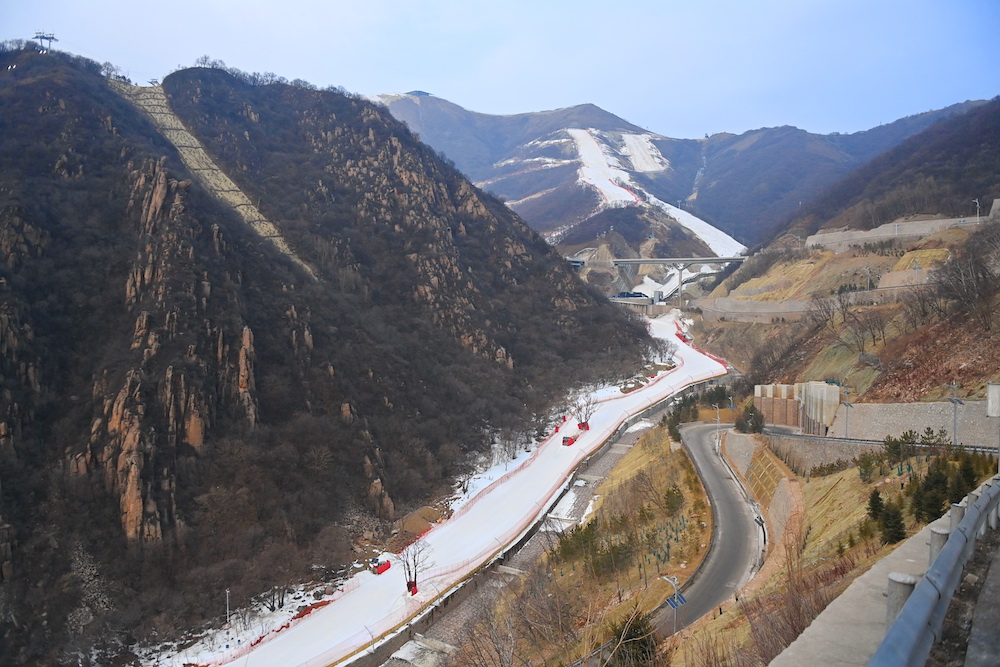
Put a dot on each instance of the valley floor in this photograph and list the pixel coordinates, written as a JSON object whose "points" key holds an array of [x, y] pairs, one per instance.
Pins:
{"points": [[370, 606]]}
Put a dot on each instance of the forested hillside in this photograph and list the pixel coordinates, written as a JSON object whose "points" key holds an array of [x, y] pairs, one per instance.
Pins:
{"points": [[939, 172], [184, 409]]}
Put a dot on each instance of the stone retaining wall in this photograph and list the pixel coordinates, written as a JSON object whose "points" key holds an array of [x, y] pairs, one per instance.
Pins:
{"points": [[803, 453], [874, 421]]}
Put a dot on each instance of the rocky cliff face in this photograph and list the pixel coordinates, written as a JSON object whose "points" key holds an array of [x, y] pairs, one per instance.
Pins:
{"points": [[182, 403], [157, 408]]}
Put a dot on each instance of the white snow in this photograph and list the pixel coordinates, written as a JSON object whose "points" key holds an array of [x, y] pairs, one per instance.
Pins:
{"points": [[643, 155], [601, 171], [501, 505], [641, 425], [721, 243], [533, 162], [604, 172]]}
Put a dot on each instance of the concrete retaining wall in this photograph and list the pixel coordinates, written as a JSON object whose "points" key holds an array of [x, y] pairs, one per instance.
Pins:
{"points": [[803, 453], [874, 421], [900, 232]]}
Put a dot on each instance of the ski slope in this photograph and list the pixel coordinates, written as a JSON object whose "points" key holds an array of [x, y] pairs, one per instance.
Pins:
{"points": [[604, 172], [370, 606]]}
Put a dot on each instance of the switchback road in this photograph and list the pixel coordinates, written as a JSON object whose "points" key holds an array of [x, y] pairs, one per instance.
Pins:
{"points": [[735, 549]]}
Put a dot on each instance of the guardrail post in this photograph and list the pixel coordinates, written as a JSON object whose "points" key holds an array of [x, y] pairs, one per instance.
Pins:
{"points": [[899, 589], [956, 516], [973, 498], [939, 537], [989, 521]]}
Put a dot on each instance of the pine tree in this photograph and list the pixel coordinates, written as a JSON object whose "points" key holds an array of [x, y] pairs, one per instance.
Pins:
{"points": [[968, 472], [875, 504], [893, 529]]}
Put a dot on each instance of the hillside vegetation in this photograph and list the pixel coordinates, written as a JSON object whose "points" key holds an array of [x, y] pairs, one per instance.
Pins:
{"points": [[185, 409], [897, 319], [903, 344], [938, 172]]}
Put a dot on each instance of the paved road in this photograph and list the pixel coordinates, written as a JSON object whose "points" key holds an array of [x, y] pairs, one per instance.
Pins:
{"points": [[735, 535]]}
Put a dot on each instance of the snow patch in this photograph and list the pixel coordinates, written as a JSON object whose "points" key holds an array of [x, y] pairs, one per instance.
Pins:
{"points": [[643, 155], [640, 425], [721, 243], [604, 172]]}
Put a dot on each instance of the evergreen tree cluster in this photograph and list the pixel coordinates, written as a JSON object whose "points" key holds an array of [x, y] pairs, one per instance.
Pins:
{"points": [[951, 474], [751, 420], [686, 407]]}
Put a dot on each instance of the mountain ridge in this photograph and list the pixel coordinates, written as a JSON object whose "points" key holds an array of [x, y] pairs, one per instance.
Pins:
{"points": [[744, 185]]}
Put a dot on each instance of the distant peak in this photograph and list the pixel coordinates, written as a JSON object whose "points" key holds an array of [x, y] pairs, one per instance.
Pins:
{"points": [[419, 93]]}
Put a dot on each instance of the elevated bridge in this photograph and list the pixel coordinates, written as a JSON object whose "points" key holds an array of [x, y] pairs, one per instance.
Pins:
{"points": [[679, 263]]}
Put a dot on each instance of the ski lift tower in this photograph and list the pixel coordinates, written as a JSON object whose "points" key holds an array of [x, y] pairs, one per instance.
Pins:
{"points": [[46, 37]]}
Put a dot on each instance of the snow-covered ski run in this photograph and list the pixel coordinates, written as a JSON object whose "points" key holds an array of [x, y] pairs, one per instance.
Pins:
{"points": [[369, 606]]}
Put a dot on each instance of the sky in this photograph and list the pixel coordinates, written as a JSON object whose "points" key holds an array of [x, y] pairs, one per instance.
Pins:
{"points": [[680, 68]]}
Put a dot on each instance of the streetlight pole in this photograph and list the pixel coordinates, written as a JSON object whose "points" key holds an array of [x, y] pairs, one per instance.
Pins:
{"points": [[227, 606], [976, 200], [718, 426], [673, 582], [847, 414], [955, 402]]}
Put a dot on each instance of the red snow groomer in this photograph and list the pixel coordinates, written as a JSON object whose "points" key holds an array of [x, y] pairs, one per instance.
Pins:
{"points": [[568, 440], [379, 566]]}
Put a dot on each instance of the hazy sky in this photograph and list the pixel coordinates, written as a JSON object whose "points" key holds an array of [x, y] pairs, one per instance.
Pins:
{"points": [[682, 68]]}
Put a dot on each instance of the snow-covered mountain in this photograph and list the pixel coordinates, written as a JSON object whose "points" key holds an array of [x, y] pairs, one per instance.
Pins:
{"points": [[586, 179], [583, 176], [557, 168]]}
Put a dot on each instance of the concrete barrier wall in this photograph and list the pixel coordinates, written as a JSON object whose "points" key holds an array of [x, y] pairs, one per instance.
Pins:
{"points": [[783, 411], [739, 450]]}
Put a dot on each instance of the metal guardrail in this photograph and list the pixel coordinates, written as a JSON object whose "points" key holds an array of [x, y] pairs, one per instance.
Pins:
{"points": [[918, 626]]}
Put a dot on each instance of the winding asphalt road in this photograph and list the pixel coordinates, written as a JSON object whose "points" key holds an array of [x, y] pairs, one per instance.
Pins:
{"points": [[735, 536]]}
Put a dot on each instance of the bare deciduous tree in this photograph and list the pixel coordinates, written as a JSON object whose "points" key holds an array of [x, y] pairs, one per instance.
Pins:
{"points": [[971, 280], [586, 406], [875, 323], [414, 559], [822, 311], [493, 640]]}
